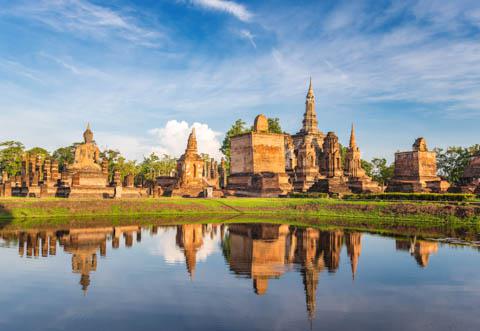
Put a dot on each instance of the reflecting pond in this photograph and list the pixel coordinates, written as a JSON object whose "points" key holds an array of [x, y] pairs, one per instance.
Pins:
{"points": [[234, 276]]}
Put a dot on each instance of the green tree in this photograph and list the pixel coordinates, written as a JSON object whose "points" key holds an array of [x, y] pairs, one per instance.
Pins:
{"points": [[167, 165], [11, 153], [451, 163], [381, 172], [65, 156], [274, 125], [38, 151], [237, 128], [149, 167], [367, 166], [126, 167]]}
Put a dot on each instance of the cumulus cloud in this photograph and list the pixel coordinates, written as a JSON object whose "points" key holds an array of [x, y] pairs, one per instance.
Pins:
{"points": [[172, 138], [231, 7]]}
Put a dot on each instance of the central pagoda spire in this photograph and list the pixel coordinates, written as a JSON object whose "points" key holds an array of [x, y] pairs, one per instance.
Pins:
{"points": [[310, 122], [353, 142]]}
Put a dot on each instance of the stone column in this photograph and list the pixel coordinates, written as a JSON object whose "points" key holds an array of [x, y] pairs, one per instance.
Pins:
{"points": [[47, 168], [54, 171], [7, 189]]}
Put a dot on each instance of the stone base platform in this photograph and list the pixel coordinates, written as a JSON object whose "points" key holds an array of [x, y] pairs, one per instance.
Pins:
{"points": [[134, 192], [89, 178], [265, 184], [86, 192], [336, 185], [418, 186], [364, 185], [302, 181], [191, 192]]}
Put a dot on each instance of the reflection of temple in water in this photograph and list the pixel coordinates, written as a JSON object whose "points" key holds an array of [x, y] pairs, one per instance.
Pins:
{"points": [[190, 239], [266, 251], [419, 249], [258, 251], [82, 244]]}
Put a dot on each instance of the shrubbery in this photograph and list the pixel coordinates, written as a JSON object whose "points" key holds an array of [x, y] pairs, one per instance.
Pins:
{"points": [[412, 196]]}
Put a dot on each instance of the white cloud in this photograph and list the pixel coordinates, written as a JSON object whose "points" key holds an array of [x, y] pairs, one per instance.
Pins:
{"points": [[83, 17], [248, 36], [172, 138], [231, 7]]}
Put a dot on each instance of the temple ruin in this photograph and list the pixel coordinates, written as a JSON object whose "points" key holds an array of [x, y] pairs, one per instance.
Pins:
{"points": [[194, 176], [306, 147], [416, 171], [331, 169], [358, 181], [257, 166]]}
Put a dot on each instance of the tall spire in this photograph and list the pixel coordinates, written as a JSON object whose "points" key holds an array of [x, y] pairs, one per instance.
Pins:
{"points": [[310, 89], [353, 142], [192, 142], [310, 123]]}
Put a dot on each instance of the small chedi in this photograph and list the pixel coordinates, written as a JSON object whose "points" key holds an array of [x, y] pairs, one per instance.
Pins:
{"points": [[306, 148], [257, 165], [195, 177], [333, 179], [358, 181], [416, 171]]}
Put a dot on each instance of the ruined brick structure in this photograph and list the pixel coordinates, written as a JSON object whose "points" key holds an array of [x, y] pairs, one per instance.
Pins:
{"points": [[86, 177], [190, 171], [257, 166], [416, 171], [194, 176], [358, 181], [333, 179]]}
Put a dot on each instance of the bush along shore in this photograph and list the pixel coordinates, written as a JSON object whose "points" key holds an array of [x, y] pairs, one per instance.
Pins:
{"points": [[439, 212]]}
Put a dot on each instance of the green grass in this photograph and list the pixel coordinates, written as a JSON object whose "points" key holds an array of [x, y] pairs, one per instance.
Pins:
{"points": [[375, 211]]}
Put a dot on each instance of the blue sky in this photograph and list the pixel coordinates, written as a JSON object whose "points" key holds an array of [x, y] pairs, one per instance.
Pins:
{"points": [[143, 72]]}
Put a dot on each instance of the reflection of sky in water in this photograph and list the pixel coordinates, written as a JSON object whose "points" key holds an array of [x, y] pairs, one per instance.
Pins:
{"points": [[147, 287], [164, 246]]}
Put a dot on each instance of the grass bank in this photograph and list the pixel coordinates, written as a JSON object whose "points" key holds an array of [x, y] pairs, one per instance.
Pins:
{"points": [[22, 208]]}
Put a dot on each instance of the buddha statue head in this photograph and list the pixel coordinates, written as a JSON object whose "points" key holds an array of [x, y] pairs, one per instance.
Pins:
{"points": [[88, 135]]}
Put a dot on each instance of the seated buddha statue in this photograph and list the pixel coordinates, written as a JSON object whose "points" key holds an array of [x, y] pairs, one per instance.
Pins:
{"points": [[87, 155]]}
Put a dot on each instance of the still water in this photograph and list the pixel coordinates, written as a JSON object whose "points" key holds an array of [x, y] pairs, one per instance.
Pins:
{"points": [[233, 277]]}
